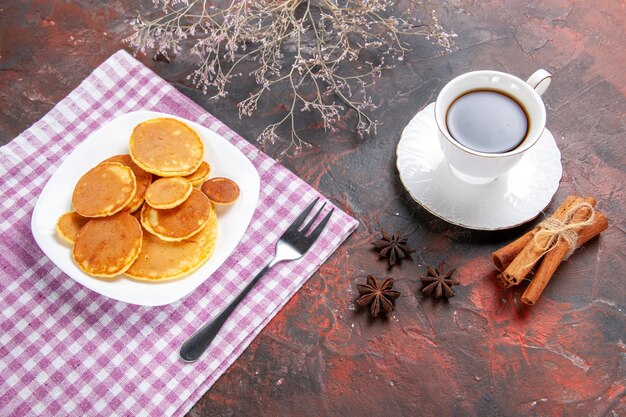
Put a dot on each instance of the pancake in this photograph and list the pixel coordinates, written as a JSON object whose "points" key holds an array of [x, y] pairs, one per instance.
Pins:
{"points": [[69, 225], [108, 246], [180, 222], [166, 193], [197, 178], [143, 178], [166, 147], [161, 261], [104, 190], [221, 191]]}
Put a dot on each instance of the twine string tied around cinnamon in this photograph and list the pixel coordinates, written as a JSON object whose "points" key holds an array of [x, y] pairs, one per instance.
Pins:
{"points": [[552, 230]]}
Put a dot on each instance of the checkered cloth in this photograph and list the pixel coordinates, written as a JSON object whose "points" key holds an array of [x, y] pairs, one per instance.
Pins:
{"points": [[65, 350]]}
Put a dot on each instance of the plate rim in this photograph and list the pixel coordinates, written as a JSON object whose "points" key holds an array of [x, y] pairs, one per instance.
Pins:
{"points": [[255, 190]]}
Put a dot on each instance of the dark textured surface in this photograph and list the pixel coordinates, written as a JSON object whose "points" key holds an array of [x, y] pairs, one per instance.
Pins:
{"points": [[480, 354]]}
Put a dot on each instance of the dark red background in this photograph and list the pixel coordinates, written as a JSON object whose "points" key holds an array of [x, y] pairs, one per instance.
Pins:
{"points": [[480, 354]]}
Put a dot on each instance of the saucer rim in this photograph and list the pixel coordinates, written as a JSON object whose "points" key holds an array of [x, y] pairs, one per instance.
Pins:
{"points": [[472, 227]]}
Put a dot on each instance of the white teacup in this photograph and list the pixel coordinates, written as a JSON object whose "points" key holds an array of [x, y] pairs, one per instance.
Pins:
{"points": [[479, 167]]}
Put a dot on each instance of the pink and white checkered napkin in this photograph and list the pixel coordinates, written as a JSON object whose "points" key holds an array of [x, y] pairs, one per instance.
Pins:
{"points": [[65, 350]]}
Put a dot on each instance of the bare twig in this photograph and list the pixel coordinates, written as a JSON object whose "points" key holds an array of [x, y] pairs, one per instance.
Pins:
{"points": [[316, 47]]}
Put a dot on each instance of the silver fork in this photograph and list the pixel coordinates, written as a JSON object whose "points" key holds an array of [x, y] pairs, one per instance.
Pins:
{"points": [[293, 244]]}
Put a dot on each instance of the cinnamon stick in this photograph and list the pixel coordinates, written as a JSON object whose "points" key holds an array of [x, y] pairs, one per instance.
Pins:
{"points": [[503, 257], [554, 258], [526, 260]]}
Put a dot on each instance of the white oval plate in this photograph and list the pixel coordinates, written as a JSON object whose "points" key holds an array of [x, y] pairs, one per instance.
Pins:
{"points": [[112, 139], [511, 200]]}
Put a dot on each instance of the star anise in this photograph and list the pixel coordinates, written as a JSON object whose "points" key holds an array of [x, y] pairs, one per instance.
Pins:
{"points": [[378, 297], [437, 283], [393, 247]]}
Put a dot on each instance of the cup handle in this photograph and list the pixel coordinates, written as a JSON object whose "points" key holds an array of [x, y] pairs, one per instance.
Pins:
{"points": [[540, 81]]}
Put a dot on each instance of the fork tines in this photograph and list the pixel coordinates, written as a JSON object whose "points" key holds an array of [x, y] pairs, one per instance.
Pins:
{"points": [[314, 233]]}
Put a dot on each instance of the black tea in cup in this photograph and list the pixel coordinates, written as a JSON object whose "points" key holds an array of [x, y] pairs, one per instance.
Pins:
{"points": [[487, 121]]}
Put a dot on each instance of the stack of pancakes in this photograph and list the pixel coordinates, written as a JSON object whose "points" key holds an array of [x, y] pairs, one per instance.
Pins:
{"points": [[140, 214]]}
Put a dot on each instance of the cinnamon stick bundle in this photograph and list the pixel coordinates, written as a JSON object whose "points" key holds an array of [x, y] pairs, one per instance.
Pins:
{"points": [[554, 258], [525, 261], [548, 245], [503, 257]]}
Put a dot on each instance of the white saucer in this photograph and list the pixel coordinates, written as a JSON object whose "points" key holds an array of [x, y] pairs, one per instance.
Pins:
{"points": [[513, 199]]}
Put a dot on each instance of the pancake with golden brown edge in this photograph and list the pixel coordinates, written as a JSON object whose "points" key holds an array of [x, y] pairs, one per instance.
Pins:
{"points": [[161, 261], [166, 193], [104, 190], [108, 246], [197, 178], [143, 178], [180, 222], [166, 147], [222, 191], [69, 225]]}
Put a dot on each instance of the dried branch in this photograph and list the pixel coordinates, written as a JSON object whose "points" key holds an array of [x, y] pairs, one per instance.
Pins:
{"points": [[316, 47]]}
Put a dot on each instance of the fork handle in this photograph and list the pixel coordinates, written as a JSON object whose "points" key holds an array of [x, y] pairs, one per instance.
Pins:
{"points": [[195, 346]]}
